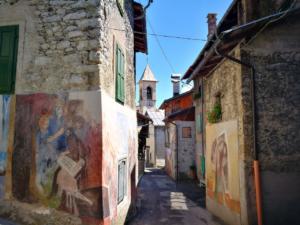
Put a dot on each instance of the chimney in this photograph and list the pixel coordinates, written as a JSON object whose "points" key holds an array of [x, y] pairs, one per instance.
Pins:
{"points": [[175, 78], [212, 24]]}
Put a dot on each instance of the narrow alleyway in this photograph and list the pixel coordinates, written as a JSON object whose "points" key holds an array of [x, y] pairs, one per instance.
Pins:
{"points": [[161, 201]]}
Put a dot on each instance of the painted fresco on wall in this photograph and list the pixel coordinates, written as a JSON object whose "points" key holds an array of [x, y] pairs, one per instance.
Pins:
{"points": [[222, 164], [119, 142], [5, 101], [57, 156]]}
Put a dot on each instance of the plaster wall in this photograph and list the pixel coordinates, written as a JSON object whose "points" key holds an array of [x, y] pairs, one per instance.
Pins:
{"points": [[55, 158], [160, 146]]}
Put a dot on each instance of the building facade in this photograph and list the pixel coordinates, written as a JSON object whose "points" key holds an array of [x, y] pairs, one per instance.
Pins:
{"points": [[67, 93], [179, 120], [246, 77]]}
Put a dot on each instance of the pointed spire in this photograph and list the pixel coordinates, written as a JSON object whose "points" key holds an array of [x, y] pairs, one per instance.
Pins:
{"points": [[148, 75]]}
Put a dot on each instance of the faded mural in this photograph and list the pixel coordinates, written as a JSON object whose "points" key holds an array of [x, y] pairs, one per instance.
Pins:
{"points": [[119, 142], [58, 158], [5, 101], [222, 165]]}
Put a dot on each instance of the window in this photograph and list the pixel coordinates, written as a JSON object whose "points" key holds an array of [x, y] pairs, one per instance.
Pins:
{"points": [[8, 58], [120, 4], [122, 180], [120, 92], [186, 132], [149, 93]]}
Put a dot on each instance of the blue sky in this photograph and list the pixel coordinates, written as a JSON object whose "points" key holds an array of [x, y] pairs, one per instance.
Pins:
{"points": [[178, 18]]}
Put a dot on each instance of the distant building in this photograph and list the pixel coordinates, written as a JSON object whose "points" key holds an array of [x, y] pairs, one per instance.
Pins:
{"points": [[247, 81], [155, 148], [179, 133]]}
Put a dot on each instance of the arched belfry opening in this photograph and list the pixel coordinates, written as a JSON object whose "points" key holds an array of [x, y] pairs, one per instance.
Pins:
{"points": [[149, 93]]}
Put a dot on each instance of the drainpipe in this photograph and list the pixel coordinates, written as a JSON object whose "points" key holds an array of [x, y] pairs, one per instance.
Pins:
{"points": [[144, 11], [255, 161]]}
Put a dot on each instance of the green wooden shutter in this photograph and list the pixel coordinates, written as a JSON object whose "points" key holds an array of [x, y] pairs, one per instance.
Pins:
{"points": [[8, 58], [120, 96]]}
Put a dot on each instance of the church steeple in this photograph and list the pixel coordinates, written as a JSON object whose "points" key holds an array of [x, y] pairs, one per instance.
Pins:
{"points": [[147, 86]]}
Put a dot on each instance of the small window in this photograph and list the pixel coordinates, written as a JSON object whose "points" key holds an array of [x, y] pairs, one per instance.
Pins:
{"points": [[120, 75], [8, 58], [186, 132], [122, 180], [149, 93], [120, 4]]}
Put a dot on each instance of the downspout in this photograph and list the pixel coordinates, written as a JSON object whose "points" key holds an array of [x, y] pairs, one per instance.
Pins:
{"points": [[202, 127], [144, 11], [256, 160]]}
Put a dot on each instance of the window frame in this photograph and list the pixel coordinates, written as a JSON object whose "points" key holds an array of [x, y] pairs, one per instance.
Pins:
{"points": [[11, 86], [124, 180]]}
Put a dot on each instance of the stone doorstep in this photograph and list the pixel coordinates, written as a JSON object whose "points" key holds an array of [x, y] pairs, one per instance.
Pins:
{"points": [[33, 214]]}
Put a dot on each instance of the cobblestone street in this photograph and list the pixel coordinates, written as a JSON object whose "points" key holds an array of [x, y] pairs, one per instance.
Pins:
{"points": [[161, 201]]}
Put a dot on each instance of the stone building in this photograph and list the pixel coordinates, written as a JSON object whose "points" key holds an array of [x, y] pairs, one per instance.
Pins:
{"points": [[180, 157], [247, 77], [67, 84], [155, 148]]}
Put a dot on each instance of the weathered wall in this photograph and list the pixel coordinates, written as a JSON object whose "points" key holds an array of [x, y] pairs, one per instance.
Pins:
{"points": [[160, 146], [150, 142], [276, 56], [186, 149], [171, 148], [227, 82], [119, 142], [58, 160], [67, 45], [199, 133]]}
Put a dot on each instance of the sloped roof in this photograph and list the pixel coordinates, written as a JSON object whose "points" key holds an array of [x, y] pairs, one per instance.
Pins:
{"points": [[157, 116], [230, 34], [148, 75]]}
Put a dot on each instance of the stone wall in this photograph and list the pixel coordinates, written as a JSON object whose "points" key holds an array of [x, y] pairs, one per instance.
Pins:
{"points": [[275, 55], [69, 45], [186, 149]]}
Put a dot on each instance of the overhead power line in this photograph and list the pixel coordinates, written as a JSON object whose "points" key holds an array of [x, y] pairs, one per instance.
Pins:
{"points": [[162, 35], [163, 51]]}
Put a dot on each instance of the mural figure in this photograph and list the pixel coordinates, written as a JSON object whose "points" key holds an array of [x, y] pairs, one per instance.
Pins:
{"points": [[222, 169], [219, 160]]}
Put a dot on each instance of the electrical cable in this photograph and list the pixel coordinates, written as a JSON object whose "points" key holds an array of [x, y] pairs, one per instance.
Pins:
{"points": [[164, 53], [162, 35]]}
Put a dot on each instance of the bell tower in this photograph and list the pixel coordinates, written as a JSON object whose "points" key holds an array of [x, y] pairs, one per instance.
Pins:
{"points": [[147, 90]]}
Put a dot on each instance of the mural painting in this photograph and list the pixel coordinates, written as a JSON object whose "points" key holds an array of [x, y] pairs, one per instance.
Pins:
{"points": [[120, 143], [57, 156], [222, 165], [5, 101]]}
